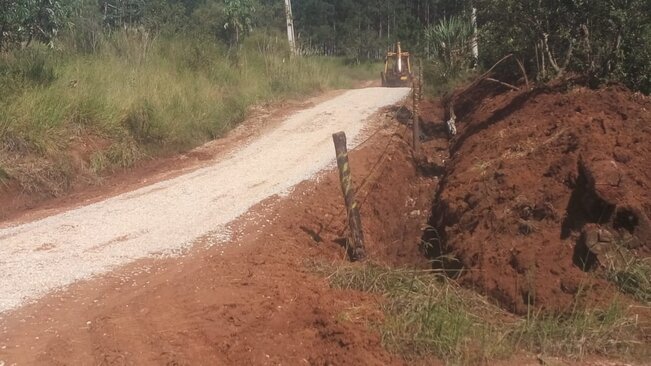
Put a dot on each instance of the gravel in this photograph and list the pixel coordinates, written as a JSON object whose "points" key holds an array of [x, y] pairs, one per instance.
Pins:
{"points": [[165, 218]]}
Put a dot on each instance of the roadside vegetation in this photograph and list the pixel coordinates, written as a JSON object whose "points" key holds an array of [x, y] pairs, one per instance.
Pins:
{"points": [[632, 277], [93, 92], [591, 43], [89, 86], [430, 315], [158, 76], [142, 97]]}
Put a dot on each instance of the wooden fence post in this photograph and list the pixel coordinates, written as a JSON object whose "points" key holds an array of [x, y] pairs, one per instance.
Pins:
{"points": [[420, 79], [416, 119], [355, 247]]}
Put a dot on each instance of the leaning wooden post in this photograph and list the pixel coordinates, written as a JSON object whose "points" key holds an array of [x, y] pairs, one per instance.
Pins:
{"points": [[355, 246], [416, 119], [420, 79]]}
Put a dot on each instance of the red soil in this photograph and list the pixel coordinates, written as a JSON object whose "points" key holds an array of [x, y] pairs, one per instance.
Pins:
{"points": [[532, 174], [254, 301], [511, 207]]}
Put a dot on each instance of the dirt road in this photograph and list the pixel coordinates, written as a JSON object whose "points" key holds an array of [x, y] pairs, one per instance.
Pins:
{"points": [[259, 300], [167, 217]]}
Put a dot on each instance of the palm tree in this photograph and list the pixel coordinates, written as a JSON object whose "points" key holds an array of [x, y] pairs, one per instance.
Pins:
{"points": [[451, 41]]}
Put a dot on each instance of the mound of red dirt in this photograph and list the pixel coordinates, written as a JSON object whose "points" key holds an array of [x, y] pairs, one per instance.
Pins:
{"points": [[539, 184]]}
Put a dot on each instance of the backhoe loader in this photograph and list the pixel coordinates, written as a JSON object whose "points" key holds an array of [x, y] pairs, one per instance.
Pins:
{"points": [[397, 68]]}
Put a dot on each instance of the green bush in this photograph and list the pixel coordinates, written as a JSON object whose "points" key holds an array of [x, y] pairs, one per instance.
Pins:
{"points": [[450, 40]]}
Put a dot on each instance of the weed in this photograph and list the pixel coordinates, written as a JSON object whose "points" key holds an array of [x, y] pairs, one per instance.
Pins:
{"points": [[123, 154], [43, 177], [4, 176], [438, 84], [147, 95], [428, 314], [633, 278], [139, 121], [37, 69], [99, 162], [578, 333]]}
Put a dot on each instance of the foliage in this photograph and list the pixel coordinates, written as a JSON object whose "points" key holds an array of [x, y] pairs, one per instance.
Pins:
{"points": [[239, 15], [367, 28], [209, 19], [27, 20], [603, 40], [450, 41], [634, 278], [142, 97], [122, 13]]}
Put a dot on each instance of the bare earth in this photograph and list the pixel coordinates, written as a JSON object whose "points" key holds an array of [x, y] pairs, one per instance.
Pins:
{"points": [[167, 217], [256, 300], [249, 292]]}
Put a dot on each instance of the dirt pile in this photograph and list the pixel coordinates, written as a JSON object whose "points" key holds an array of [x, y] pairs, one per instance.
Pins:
{"points": [[541, 184]]}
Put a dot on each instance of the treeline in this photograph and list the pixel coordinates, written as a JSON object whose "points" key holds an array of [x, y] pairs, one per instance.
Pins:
{"points": [[599, 40], [602, 39], [85, 21], [367, 28], [354, 28]]}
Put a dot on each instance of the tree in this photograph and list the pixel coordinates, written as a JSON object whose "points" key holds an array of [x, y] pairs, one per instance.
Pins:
{"points": [[602, 40], [239, 17], [451, 40], [122, 13], [22, 21]]}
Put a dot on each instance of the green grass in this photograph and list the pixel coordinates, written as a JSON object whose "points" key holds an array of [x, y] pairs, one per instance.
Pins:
{"points": [[4, 176], [579, 333], [146, 97], [438, 83], [633, 278], [430, 315]]}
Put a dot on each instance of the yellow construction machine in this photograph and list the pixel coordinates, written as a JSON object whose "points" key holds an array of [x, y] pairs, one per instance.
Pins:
{"points": [[397, 68]]}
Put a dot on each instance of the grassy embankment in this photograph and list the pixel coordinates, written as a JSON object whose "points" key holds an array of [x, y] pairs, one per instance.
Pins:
{"points": [[134, 98], [430, 315]]}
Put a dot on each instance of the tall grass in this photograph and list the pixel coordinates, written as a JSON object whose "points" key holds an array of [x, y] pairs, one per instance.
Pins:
{"points": [[146, 96], [632, 276], [428, 314]]}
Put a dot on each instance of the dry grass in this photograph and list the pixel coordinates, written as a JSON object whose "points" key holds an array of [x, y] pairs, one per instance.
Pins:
{"points": [[4, 176], [144, 96]]}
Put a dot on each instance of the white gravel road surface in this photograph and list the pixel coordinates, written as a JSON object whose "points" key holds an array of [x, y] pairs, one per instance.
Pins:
{"points": [[165, 218]]}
